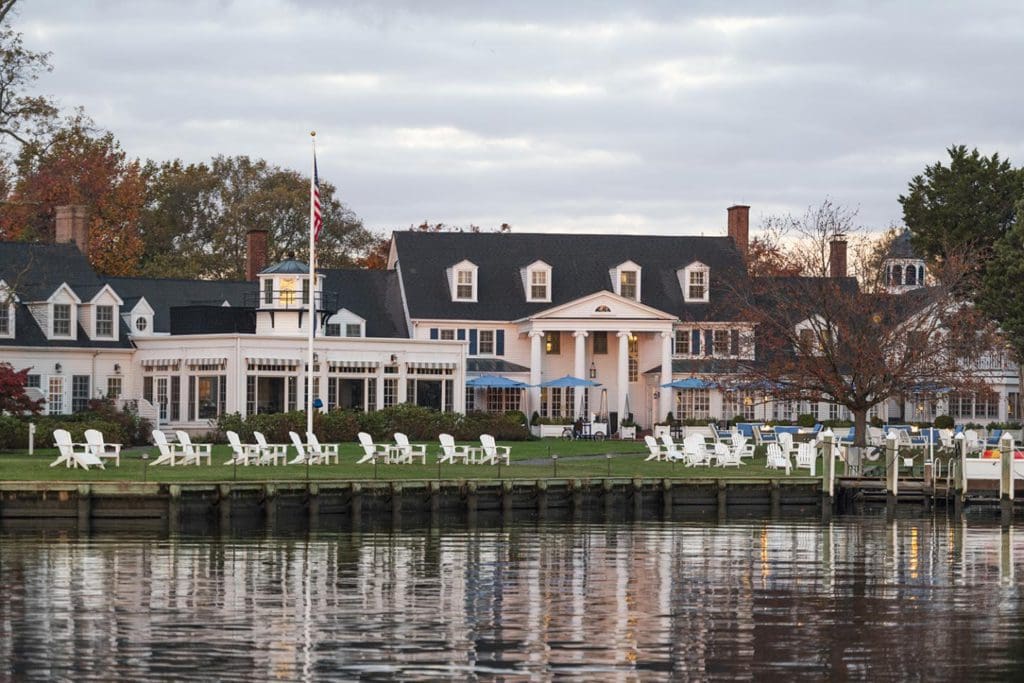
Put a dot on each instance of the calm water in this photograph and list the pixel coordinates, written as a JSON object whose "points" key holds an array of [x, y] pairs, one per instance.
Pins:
{"points": [[860, 598]]}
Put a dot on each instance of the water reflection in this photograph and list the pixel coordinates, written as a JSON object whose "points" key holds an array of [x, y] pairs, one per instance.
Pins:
{"points": [[856, 598]]}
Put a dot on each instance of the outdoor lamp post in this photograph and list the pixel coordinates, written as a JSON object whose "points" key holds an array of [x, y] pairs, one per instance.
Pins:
{"points": [[145, 464], [608, 460], [554, 462]]}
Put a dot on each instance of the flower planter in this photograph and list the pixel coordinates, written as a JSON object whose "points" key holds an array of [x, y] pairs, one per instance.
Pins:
{"points": [[627, 432], [662, 430], [549, 431]]}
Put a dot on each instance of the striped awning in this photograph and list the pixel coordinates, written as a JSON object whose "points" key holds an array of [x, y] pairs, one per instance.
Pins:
{"points": [[206, 361], [153, 362], [430, 365], [352, 363], [264, 360]]}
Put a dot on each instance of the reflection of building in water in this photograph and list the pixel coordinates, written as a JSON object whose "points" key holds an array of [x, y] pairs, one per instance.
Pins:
{"points": [[687, 600]]}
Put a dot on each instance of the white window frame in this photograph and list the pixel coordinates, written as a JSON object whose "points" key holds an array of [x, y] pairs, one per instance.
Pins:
{"points": [[7, 308], [541, 271], [480, 342], [617, 274], [686, 282], [96, 322], [71, 320], [467, 270]]}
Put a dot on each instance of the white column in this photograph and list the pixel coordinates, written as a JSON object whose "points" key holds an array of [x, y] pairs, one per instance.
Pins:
{"points": [[623, 374], [665, 404], [536, 338], [580, 370]]}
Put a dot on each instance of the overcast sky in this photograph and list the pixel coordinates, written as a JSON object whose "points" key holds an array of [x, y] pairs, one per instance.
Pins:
{"points": [[553, 116]]}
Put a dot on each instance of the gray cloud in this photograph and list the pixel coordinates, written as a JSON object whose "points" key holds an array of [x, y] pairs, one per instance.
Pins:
{"points": [[593, 116]]}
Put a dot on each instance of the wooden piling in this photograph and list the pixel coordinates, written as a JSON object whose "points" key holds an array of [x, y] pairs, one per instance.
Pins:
{"points": [[84, 508], [269, 505], [313, 505], [224, 507], [174, 508], [774, 499], [542, 500], [1006, 478], [356, 505], [892, 471], [666, 498], [638, 498], [723, 500], [396, 504]]}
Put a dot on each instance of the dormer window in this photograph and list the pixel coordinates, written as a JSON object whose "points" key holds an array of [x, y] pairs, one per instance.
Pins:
{"points": [[6, 319], [537, 281], [694, 281], [626, 280], [141, 323], [105, 322], [462, 279], [62, 320]]}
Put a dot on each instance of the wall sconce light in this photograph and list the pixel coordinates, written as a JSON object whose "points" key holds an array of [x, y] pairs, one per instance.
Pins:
{"points": [[394, 358], [117, 368], [58, 368], [593, 370]]}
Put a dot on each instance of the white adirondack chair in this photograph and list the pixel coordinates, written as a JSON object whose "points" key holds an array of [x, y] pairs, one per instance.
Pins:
{"points": [[806, 457], [776, 460], [492, 452], [404, 452], [242, 453], [193, 452], [270, 452], [73, 454], [744, 444], [694, 452], [101, 449], [371, 450], [785, 440], [300, 450], [726, 456], [320, 453], [656, 452], [170, 453], [450, 452]]}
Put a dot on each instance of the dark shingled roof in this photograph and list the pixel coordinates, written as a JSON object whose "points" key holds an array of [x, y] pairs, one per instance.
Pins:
{"points": [[28, 333], [579, 263], [902, 247], [34, 271], [162, 294], [287, 267], [374, 295], [493, 365]]}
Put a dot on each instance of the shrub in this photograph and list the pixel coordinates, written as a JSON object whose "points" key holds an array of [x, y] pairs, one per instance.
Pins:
{"points": [[806, 420], [13, 433], [944, 422]]}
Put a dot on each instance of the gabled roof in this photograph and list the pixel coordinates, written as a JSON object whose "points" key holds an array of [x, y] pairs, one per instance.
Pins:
{"points": [[162, 294], [34, 271], [579, 264], [28, 333], [373, 295]]}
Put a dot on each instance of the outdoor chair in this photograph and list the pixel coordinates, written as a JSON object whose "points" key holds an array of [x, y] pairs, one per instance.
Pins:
{"points": [[101, 449], [193, 452], [743, 445], [726, 456], [763, 437], [371, 450], [404, 452], [786, 444], [694, 452], [491, 453], [806, 457], [876, 437], [450, 452], [242, 453], [321, 453], [654, 449], [776, 460], [301, 456], [170, 453], [73, 454], [270, 452]]}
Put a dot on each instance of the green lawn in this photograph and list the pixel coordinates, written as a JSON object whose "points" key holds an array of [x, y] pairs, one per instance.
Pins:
{"points": [[530, 460]]}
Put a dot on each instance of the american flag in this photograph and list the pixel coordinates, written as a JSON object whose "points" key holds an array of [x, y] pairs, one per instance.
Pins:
{"points": [[314, 198]]}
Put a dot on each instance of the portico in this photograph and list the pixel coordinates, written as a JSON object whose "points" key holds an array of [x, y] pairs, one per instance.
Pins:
{"points": [[611, 335]]}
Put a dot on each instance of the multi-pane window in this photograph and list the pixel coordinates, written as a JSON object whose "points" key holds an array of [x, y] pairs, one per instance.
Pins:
{"points": [[390, 391], [682, 343], [698, 285], [539, 285], [79, 393], [305, 291], [332, 330], [1013, 406], [353, 330], [62, 320], [693, 404], [5, 319], [721, 342], [600, 341], [104, 321], [32, 381], [807, 344], [268, 291], [464, 285], [502, 400], [486, 347], [447, 334], [627, 284], [552, 343], [634, 358], [55, 396], [114, 387]]}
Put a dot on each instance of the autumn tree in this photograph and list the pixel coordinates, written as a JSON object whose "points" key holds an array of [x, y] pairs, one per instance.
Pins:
{"points": [[79, 165], [13, 399], [197, 216], [844, 340]]}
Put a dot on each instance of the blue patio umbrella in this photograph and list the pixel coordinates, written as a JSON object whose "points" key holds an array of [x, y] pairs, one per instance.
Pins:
{"points": [[689, 383], [569, 382], [495, 382]]}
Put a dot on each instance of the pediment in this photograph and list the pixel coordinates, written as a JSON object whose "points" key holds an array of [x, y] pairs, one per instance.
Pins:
{"points": [[602, 306]]}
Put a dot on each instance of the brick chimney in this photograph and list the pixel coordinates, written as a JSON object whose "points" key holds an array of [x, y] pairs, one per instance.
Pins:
{"points": [[72, 226], [739, 227], [255, 253], [837, 258]]}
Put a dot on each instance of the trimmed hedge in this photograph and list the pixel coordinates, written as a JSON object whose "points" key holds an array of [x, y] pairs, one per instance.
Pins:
{"points": [[341, 426], [124, 427]]}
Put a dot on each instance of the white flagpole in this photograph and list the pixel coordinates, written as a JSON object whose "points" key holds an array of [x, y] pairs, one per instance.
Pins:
{"points": [[312, 294]]}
